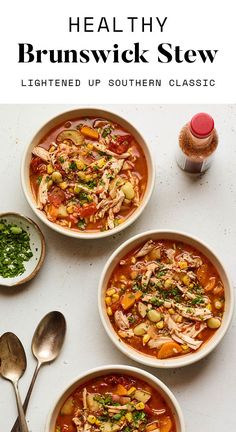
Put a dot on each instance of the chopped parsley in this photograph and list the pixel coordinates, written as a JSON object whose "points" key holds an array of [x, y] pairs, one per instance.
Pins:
{"points": [[156, 301], [104, 400], [139, 416], [91, 184], [81, 224], [39, 179], [84, 197], [197, 300], [73, 166], [61, 159], [118, 415], [14, 249], [106, 131]]}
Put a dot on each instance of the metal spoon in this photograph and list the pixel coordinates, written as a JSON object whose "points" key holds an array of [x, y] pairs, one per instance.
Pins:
{"points": [[13, 365], [46, 345]]}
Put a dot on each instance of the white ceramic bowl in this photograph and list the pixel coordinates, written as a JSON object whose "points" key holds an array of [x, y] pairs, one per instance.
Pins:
{"points": [[148, 360], [37, 245], [70, 115], [130, 371]]}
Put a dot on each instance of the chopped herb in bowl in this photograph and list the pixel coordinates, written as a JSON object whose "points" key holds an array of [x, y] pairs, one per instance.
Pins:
{"points": [[14, 249]]}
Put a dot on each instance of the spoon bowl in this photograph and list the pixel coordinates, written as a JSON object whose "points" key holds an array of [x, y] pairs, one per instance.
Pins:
{"points": [[12, 356], [49, 337], [13, 364]]}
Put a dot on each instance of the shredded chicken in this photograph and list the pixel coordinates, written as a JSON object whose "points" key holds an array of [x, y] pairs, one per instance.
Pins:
{"points": [[42, 153], [148, 247], [121, 320]]}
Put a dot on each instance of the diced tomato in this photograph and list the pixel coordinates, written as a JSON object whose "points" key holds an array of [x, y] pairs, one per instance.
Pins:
{"points": [[121, 144], [148, 410], [38, 166], [87, 210], [56, 196]]}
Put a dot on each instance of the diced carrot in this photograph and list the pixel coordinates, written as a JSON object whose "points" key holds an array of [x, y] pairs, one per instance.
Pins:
{"points": [[210, 284], [121, 390], [166, 424], [128, 299], [138, 295], [89, 132], [169, 349], [52, 213], [151, 427], [202, 274]]}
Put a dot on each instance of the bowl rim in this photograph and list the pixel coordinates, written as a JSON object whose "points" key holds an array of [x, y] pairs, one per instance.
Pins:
{"points": [[138, 356], [43, 248], [125, 369], [99, 234]]}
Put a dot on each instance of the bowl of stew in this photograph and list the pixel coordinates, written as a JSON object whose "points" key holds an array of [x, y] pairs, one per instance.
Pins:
{"points": [[87, 173], [165, 299], [116, 398]]}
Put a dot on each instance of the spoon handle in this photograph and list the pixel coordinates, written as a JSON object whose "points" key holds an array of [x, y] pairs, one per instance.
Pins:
{"points": [[22, 420], [16, 427]]}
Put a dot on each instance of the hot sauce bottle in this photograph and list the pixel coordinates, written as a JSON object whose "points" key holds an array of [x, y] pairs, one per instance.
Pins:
{"points": [[198, 140]]}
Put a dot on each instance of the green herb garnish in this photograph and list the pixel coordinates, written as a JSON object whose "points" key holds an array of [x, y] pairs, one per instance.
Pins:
{"points": [[106, 131], [14, 249], [156, 301], [39, 179], [73, 166], [81, 224]]}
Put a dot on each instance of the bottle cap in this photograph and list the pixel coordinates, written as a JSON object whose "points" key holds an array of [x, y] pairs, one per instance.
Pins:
{"points": [[202, 125]]}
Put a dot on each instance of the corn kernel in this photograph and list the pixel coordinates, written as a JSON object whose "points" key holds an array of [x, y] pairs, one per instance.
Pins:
{"points": [[191, 285], [70, 209], [184, 347], [209, 307], [108, 301], [133, 260], [218, 304], [101, 162], [77, 189], [50, 169], [63, 185], [52, 148], [160, 325], [168, 283], [90, 146], [115, 297], [183, 264], [71, 189], [111, 291], [129, 417], [146, 338], [131, 390], [123, 277], [140, 406], [91, 419], [109, 311], [179, 319], [186, 280], [49, 183], [80, 164], [171, 311]]}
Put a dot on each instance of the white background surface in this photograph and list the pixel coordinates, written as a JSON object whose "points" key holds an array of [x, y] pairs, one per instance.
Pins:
{"points": [[201, 25], [204, 206]]}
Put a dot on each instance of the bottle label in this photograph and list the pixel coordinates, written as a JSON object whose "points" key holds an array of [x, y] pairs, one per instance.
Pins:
{"points": [[191, 166]]}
